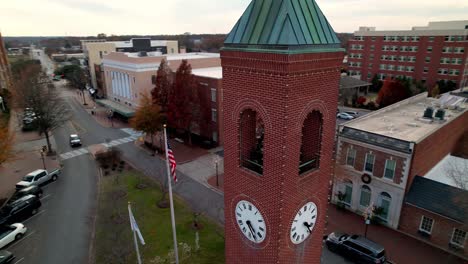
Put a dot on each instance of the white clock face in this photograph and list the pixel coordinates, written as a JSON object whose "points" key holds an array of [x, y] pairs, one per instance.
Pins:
{"points": [[250, 221], [303, 223]]}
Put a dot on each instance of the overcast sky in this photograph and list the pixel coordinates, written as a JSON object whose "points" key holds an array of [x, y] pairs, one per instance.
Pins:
{"points": [[151, 17]]}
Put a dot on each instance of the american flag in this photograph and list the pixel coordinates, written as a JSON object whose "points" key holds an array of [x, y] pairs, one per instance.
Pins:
{"points": [[172, 162]]}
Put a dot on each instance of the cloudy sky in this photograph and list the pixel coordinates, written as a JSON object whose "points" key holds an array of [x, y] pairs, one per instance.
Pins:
{"points": [[145, 17]]}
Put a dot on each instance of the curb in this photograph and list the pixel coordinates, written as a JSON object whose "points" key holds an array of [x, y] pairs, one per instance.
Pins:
{"points": [[91, 255]]}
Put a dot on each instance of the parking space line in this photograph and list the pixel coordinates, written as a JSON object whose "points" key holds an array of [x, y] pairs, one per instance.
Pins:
{"points": [[39, 213], [23, 238], [21, 259], [44, 197]]}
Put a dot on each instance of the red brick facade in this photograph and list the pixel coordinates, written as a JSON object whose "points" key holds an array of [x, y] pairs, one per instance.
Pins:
{"points": [[379, 164], [442, 228], [370, 59], [283, 90], [435, 147]]}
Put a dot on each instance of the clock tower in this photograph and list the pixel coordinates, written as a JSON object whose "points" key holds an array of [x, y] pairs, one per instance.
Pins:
{"points": [[281, 72]]}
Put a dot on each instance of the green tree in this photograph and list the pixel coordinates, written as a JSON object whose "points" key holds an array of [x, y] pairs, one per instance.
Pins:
{"points": [[74, 74], [147, 118], [376, 84]]}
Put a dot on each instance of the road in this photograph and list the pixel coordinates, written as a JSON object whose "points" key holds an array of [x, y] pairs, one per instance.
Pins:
{"points": [[61, 232]]}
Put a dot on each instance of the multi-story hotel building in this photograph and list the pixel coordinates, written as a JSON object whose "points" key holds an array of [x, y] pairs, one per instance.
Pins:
{"points": [[428, 54]]}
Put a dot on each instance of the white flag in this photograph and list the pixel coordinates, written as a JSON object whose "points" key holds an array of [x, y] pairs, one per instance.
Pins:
{"points": [[134, 226]]}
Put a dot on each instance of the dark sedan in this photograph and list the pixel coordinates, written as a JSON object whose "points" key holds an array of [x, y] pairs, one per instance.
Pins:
{"points": [[356, 248]]}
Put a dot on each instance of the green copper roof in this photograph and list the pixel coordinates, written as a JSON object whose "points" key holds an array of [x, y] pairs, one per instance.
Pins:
{"points": [[283, 25]]}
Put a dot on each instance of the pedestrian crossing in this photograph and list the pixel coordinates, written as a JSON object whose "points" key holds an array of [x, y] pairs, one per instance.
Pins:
{"points": [[134, 135]]}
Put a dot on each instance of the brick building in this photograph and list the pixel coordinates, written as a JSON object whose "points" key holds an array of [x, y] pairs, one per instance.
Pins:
{"points": [[281, 72], [435, 208], [128, 75], [428, 54], [380, 155], [5, 73]]}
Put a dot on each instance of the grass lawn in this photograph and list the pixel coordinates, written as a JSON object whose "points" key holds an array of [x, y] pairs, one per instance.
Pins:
{"points": [[114, 239]]}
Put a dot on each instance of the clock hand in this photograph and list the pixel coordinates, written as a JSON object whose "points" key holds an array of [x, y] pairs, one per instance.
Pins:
{"points": [[252, 230], [308, 226]]}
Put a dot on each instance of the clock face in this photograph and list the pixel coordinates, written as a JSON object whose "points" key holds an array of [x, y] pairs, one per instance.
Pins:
{"points": [[303, 223], [250, 221]]}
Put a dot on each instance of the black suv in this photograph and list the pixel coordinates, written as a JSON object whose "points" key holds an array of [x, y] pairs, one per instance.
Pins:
{"points": [[6, 257], [33, 189], [19, 209], [356, 248]]}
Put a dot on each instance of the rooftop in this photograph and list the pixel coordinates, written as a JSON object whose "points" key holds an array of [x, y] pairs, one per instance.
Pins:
{"points": [[212, 72], [452, 171], [348, 82], [283, 26], [440, 28], [404, 120], [439, 198]]}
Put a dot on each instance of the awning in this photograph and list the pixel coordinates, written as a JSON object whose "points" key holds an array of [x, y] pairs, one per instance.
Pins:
{"points": [[116, 107]]}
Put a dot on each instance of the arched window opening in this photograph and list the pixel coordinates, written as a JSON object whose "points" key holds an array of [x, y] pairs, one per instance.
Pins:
{"points": [[311, 142], [366, 194], [252, 135], [385, 201]]}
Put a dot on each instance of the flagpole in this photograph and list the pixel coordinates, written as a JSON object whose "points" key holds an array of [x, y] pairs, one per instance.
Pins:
{"points": [[134, 234], [174, 234]]}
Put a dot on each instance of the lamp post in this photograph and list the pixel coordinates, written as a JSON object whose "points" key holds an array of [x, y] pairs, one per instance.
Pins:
{"points": [[43, 150], [216, 161], [367, 217]]}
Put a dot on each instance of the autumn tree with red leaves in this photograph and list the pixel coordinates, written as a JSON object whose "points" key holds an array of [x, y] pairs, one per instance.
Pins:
{"points": [[147, 118], [393, 91], [160, 93], [183, 107]]}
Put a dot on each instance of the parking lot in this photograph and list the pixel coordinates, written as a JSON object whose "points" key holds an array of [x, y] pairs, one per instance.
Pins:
{"points": [[361, 113]]}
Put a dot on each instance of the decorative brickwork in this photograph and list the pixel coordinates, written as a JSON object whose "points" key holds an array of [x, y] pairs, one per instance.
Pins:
{"points": [[284, 90]]}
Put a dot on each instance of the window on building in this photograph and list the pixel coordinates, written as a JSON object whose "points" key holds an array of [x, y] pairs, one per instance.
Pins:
{"points": [[429, 49], [442, 71], [415, 39], [348, 192], [405, 38], [428, 59], [386, 38], [153, 79], [410, 68], [426, 225], [311, 142], [383, 67], [390, 166], [251, 131], [425, 70], [457, 61], [215, 136], [431, 39], [369, 164], [373, 38], [370, 65], [458, 237], [172, 50], [214, 115], [446, 49], [371, 57], [369, 75], [351, 157], [100, 54], [395, 38], [385, 201], [459, 50], [401, 68], [366, 194], [454, 72], [372, 47], [213, 95]]}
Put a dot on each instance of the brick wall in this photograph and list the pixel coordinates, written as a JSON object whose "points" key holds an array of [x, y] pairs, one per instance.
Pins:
{"points": [[379, 164], [442, 228], [435, 147], [282, 90], [207, 126]]}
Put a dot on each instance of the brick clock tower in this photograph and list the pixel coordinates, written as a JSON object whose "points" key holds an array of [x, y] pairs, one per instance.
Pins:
{"points": [[281, 71]]}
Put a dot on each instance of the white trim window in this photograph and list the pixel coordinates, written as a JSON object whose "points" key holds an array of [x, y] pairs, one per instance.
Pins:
{"points": [[458, 237], [385, 201], [426, 225], [348, 192], [390, 166], [351, 157], [366, 194], [213, 95], [214, 115], [369, 163]]}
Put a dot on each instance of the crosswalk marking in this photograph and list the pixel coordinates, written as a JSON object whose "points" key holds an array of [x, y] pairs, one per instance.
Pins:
{"points": [[133, 135]]}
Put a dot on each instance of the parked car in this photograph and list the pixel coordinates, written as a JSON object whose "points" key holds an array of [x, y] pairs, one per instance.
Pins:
{"points": [[6, 257], [352, 113], [38, 177], [9, 234], [19, 209], [356, 248], [31, 190], [345, 116], [75, 141]]}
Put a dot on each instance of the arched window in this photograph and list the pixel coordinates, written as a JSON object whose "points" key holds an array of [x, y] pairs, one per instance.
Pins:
{"points": [[311, 142], [252, 134], [366, 194], [347, 191], [385, 201]]}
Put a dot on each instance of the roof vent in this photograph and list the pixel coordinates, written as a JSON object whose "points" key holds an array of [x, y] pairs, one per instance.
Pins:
{"points": [[142, 54], [440, 114], [429, 113]]}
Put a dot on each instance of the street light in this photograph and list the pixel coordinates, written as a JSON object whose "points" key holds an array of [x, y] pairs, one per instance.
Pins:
{"points": [[216, 161], [43, 150]]}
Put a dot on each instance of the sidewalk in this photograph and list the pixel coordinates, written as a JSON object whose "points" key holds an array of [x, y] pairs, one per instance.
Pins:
{"points": [[27, 148]]}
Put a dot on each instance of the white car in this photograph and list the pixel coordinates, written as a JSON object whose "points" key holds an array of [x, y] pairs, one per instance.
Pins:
{"points": [[11, 233], [345, 116]]}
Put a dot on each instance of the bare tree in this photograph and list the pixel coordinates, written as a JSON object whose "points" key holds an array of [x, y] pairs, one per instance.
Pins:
{"points": [[457, 171], [38, 93]]}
